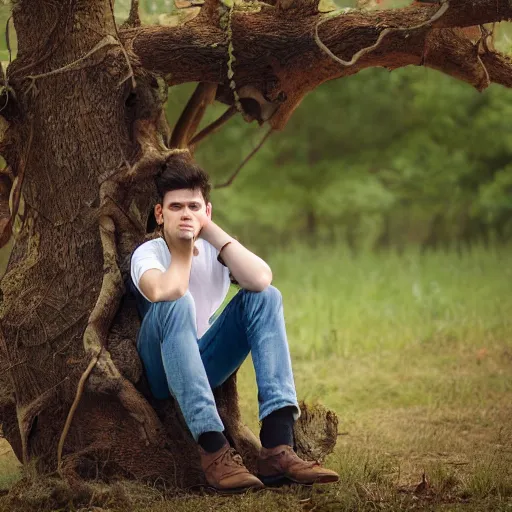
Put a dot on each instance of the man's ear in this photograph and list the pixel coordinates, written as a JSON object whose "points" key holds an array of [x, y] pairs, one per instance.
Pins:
{"points": [[209, 210], [159, 216]]}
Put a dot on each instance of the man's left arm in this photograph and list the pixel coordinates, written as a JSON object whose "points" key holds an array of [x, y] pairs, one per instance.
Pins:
{"points": [[249, 270]]}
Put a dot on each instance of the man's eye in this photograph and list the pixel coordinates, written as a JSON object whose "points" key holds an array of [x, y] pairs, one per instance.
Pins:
{"points": [[175, 207], [194, 207]]}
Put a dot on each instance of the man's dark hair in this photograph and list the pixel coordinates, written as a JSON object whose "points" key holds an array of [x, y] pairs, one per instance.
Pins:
{"points": [[181, 172]]}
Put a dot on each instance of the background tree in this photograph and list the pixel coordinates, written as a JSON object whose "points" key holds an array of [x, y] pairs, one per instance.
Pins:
{"points": [[84, 133]]}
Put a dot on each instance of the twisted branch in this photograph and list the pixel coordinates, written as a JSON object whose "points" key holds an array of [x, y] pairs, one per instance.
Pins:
{"points": [[213, 127], [192, 114], [347, 63]]}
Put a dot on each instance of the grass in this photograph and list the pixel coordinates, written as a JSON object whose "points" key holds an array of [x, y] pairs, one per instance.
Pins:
{"points": [[414, 353], [9, 466]]}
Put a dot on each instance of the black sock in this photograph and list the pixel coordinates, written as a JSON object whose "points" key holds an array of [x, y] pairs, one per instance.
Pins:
{"points": [[277, 428], [212, 441]]}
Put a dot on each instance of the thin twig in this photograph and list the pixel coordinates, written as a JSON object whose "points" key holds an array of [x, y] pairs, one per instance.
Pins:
{"points": [[444, 7], [213, 127], [246, 159]]}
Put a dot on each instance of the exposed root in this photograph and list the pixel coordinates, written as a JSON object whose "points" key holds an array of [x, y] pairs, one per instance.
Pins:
{"points": [[192, 114], [106, 378], [100, 318], [444, 7], [111, 292], [71, 413]]}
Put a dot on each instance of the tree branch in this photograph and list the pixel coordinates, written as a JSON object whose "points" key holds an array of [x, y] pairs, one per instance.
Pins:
{"points": [[464, 13], [192, 114], [133, 18], [437, 15], [213, 127], [499, 67], [246, 159], [275, 51]]}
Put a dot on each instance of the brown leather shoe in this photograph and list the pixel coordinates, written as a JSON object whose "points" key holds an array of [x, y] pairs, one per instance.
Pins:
{"points": [[281, 464], [225, 470]]}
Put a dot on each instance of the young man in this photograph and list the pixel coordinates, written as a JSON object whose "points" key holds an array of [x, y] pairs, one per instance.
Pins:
{"points": [[180, 280]]}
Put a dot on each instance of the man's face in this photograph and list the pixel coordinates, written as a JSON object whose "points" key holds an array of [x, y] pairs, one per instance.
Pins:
{"points": [[183, 213]]}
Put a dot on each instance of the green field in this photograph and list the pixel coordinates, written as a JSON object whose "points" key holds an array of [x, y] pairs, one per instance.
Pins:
{"points": [[414, 353]]}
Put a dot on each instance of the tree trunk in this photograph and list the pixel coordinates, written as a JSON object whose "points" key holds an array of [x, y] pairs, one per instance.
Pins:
{"points": [[74, 397], [86, 133]]}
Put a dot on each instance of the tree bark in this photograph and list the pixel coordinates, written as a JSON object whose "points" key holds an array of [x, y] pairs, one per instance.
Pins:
{"points": [[83, 143], [86, 133], [63, 286]]}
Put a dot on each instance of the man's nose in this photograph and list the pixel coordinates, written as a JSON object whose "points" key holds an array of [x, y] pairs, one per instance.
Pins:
{"points": [[186, 213]]}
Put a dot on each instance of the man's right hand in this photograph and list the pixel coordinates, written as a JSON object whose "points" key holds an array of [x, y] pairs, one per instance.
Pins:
{"points": [[173, 283], [180, 247]]}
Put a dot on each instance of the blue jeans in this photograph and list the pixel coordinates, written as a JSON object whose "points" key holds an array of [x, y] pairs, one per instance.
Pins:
{"points": [[176, 362]]}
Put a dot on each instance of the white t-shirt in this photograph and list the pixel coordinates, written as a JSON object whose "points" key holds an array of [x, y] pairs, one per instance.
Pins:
{"points": [[209, 280]]}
